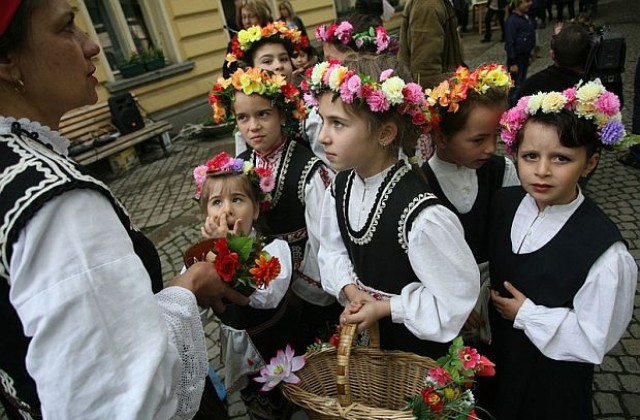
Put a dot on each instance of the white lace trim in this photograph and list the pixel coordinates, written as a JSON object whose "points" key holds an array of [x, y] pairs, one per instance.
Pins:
{"points": [[403, 232], [45, 134]]}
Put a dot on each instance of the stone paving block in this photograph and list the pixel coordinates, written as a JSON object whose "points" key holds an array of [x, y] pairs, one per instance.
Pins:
{"points": [[610, 364], [606, 382], [607, 403], [631, 403], [631, 364], [630, 383]]}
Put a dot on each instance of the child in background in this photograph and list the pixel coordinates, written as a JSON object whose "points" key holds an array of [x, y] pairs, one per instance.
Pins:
{"points": [[270, 48], [563, 282], [303, 59], [359, 36], [520, 39], [231, 193], [388, 250], [464, 172], [262, 104]]}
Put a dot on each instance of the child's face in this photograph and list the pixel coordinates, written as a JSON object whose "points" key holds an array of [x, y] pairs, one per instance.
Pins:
{"points": [[549, 171], [472, 146], [347, 141], [300, 60], [259, 122], [229, 200], [273, 57], [524, 6]]}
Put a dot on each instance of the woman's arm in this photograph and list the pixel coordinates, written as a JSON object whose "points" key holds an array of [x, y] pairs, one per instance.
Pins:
{"points": [[100, 346]]}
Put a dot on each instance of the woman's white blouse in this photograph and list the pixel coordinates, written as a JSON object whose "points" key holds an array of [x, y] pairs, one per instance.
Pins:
{"points": [[603, 306], [434, 308], [460, 184]]}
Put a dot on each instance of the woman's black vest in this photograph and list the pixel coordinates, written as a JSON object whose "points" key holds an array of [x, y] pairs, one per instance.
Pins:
{"points": [[476, 221], [379, 251], [32, 175], [530, 384]]}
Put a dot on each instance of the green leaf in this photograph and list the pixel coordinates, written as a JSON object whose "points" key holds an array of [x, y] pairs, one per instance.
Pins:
{"points": [[242, 245]]}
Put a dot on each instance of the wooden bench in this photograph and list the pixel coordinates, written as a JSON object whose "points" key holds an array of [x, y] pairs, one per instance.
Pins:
{"points": [[93, 136]]}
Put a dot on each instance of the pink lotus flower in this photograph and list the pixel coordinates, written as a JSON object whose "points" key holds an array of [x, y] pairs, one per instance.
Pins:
{"points": [[280, 369]]}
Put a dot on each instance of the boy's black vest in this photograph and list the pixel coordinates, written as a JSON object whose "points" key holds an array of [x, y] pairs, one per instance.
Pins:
{"points": [[285, 218], [379, 251], [33, 175], [529, 383], [476, 221]]}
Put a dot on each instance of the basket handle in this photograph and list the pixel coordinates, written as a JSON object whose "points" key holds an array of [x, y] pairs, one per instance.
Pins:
{"points": [[347, 332]]}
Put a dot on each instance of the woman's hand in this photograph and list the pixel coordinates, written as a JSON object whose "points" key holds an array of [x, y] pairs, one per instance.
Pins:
{"points": [[204, 281], [508, 307]]}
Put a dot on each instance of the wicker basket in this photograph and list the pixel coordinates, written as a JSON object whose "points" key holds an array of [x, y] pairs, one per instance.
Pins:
{"points": [[358, 383]]}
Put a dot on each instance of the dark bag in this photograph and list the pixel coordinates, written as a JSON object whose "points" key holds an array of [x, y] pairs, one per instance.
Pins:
{"points": [[125, 115], [606, 60]]}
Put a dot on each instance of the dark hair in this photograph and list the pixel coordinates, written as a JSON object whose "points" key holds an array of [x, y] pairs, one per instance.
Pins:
{"points": [[15, 37], [571, 46], [264, 41], [309, 50], [453, 122], [407, 137], [572, 131]]}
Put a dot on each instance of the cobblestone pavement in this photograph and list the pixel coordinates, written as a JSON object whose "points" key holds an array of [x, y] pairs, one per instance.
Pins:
{"points": [[158, 197]]}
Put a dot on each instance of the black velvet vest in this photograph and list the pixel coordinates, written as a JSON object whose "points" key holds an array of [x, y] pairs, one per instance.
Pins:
{"points": [[33, 175], [476, 221], [379, 250], [529, 384], [285, 219]]}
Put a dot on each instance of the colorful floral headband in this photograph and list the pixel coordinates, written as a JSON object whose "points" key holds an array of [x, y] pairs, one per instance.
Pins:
{"points": [[379, 96], [342, 33], [260, 82], [448, 94], [245, 39], [261, 178], [590, 101]]}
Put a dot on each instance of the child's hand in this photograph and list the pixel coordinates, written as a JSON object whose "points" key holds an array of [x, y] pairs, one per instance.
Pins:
{"points": [[514, 68], [508, 307], [368, 313], [217, 227]]}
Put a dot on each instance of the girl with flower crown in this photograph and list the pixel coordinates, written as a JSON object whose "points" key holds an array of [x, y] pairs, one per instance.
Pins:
{"points": [[261, 104], [563, 282], [267, 47], [464, 172], [231, 193], [389, 251]]}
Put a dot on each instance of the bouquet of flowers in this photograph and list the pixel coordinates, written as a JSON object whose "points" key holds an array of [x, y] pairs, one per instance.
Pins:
{"points": [[242, 261], [447, 389]]}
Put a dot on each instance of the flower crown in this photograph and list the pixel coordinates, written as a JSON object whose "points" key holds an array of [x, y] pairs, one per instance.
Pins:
{"points": [[261, 178], [590, 101], [379, 96], [448, 94], [342, 33], [260, 82], [245, 39]]}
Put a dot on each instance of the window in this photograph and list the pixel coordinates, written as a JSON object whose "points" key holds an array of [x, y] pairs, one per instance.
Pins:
{"points": [[123, 28]]}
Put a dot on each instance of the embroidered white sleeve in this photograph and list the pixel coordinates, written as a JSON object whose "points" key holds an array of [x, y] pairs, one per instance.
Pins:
{"points": [[180, 311]]}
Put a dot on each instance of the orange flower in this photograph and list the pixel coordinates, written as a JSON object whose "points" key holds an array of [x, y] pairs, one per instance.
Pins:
{"points": [[267, 268]]}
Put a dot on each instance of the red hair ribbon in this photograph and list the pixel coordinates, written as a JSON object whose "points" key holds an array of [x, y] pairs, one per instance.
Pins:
{"points": [[7, 10]]}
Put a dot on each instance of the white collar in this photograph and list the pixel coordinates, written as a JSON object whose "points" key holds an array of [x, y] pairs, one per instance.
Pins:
{"points": [[45, 134], [440, 166], [557, 209]]}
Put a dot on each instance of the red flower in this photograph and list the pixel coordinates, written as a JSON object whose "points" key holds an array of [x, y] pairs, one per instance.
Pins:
{"points": [[227, 266], [226, 262], [289, 91], [486, 367], [472, 415], [440, 376], [469, 356], [334, 340], [432, 399], [265, 270]]}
